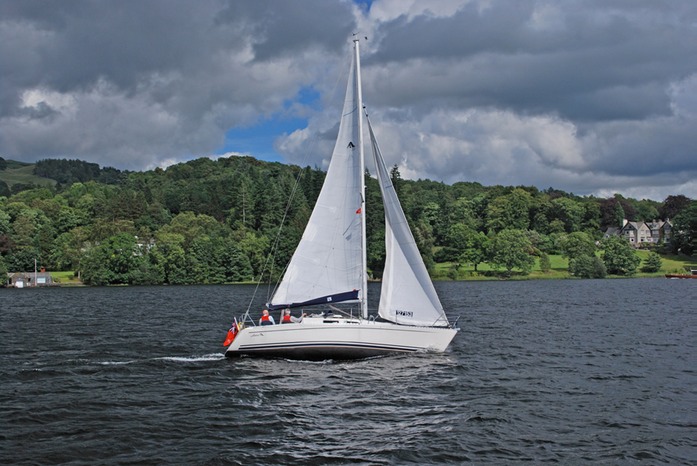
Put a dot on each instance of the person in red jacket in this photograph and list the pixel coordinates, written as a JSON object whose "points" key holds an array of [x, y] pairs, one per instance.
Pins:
{"points": [[289, 319], [266, 319]]}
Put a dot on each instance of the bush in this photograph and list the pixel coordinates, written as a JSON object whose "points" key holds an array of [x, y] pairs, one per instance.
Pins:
{"points": [[586, 266]]}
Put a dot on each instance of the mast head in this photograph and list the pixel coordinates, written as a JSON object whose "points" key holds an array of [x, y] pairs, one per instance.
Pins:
{"points": [[358, 39]]}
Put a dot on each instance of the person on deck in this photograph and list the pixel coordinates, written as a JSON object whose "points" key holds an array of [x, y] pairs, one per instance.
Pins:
{"points": [[289, 319], [266, 319]]}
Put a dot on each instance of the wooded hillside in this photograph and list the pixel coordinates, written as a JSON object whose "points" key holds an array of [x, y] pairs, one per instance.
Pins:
{"points": [[209, 221]]}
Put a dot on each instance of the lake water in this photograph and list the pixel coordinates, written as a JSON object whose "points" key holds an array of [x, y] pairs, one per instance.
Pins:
{"points": [[570, 371]]}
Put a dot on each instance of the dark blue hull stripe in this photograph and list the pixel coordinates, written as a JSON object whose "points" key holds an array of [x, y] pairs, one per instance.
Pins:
{"points": [[327, 345], [320, 351]]}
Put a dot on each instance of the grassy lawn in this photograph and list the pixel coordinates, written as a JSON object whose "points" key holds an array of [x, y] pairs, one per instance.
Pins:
{"points": [[444, 271], [560, 269], [66, 278], [671, 264], [23, 173]]}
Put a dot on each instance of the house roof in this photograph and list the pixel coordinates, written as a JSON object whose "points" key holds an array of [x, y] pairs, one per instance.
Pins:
{"points": [[28, 274]]}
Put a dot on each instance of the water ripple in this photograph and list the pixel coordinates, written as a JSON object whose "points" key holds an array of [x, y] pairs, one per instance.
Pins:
{"points": [[575, 373]]}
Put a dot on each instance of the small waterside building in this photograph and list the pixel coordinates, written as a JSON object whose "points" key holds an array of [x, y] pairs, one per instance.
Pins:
{"points": [[29, 279]]}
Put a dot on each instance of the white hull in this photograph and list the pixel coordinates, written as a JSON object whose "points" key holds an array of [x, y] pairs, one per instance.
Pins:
{"points": [[317, 338]]}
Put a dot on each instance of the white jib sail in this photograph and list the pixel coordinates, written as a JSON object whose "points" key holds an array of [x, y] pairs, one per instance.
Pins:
{"points": [[408, 295], [328, 258]]}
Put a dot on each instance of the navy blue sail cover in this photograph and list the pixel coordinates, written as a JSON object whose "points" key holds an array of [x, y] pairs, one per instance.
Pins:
{"points": [[333, 298]]}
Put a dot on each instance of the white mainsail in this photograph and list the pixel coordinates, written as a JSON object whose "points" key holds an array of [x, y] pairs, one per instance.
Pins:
{"points": [[408, 295], [328, 261]]}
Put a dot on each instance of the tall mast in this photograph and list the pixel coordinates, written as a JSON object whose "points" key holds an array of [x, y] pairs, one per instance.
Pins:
{"points": [[359, 112]]}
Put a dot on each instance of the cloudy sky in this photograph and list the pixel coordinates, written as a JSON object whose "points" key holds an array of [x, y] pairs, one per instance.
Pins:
{"points": [[588, 96]]}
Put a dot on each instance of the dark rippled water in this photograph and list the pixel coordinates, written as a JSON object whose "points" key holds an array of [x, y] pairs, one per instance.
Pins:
{"points": [[573, 372]]}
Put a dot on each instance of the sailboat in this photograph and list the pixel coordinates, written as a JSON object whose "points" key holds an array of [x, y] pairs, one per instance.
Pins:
{"points": [[329, 267]]}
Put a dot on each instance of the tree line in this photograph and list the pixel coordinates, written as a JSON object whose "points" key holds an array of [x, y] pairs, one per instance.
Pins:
{"points": [[218, 221]]}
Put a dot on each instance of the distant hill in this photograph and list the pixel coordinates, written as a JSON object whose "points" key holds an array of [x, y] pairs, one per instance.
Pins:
{"points": [[49, 172], [22, 173], [73, 171]]}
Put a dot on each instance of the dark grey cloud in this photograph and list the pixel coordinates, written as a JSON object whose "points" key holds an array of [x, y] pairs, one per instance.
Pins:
{"points": [[578, 59], [589, 96], [170, 76]]}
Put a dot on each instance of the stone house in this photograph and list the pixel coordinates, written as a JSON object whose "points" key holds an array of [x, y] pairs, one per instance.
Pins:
{"points": [[642, 233]]}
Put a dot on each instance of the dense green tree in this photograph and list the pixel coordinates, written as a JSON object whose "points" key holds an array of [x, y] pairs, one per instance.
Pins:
{"points": [[539, 215], [611, 212], [204, 260], [618, 215], [191, 226], [102, 229], [148, 271], [5, 223], [476, 249], [236, 264], [70, 171], [568, 212], [512, 249], [511, 211], [125, 204], [672, 206], [396, 179], [545, 264], [114, 261], [25, 224], [685, 230], [591, 218], [5, 189], [3, 271], [541, 242], [256, 247], [646, 210], [44, 243], [457, 236], [462, 212], [23, 259], [425, 237], [577, 244], [619, 256], [68, 249], [652, 263], [587, 266], [69, 218], [169, 252]]}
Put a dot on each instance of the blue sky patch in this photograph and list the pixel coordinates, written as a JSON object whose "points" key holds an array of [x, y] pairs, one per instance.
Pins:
{"points": [[258, 140]]}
